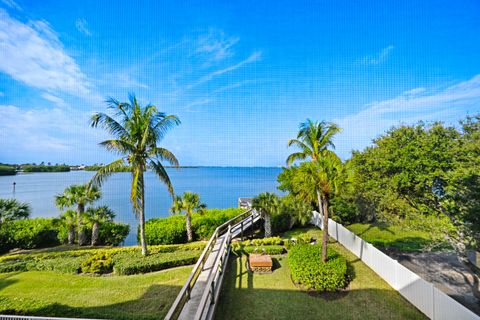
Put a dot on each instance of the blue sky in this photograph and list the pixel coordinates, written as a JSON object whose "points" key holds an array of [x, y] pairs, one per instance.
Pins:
{"points": [[241, 75]]}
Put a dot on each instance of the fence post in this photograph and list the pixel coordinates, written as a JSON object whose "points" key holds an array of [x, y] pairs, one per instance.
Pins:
{"points": [[242, 229]]}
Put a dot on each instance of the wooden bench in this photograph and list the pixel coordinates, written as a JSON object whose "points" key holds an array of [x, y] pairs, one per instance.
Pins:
{"points": [[260, 263]]}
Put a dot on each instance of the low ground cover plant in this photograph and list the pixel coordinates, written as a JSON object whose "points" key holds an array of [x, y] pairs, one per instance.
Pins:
{"points": [[124, 261], [310, 273]]}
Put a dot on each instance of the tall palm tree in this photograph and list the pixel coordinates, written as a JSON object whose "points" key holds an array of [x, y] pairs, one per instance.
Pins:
{"points": [[80, 195], [11, 209], [96, 216], [326, 177], [69, 217], [189, 203], [313, 140], [266, 203], [137, 131]]}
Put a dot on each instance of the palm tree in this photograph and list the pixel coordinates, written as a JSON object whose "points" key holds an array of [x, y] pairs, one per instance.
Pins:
{"points": [[313, 140], [137, 134], [69, 217], [11, 209], [266, 203], [188, 203], [80, 195], [325, 176], [96, 216]]}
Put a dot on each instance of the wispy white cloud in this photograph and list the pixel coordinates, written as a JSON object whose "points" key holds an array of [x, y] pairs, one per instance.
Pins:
{"points": [[190, 107], [33, 54], [12, 4], [445, 104], [82, 26], [233, 86], [215, 45], [53, 98], [255, 56], [378, 58], [2, 94], [125, 80]]}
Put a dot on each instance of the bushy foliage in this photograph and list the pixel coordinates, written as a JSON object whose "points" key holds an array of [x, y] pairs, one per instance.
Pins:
{"points": [[113, 233], [44, 168], [172, 230], [99, 263], [134, 263], [240, 248], [60, 264], [29, 234], [263, 241], [110, 233], [308, 270], [6, 170]]}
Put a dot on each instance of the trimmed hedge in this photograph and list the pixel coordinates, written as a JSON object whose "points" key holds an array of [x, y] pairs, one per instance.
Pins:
{"points": [[99, 261], [173, 230], [239, 249], [50, 232], [128, 263], [308, 270], [263, 241], [29, 234]]}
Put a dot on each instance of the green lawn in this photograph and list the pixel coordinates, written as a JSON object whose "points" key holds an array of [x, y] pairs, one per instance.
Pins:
{"points": [[46, 293], [274, 296], [394, 237]]}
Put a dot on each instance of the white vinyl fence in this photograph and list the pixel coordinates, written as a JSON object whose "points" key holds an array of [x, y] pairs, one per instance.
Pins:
{"points": [[422, 294]]}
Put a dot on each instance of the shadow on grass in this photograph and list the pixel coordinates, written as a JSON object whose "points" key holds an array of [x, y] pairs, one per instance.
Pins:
{"points": [[151, 305]]}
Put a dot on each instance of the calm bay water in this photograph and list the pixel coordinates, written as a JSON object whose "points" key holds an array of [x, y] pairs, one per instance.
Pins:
{"points": [[218, 187]]}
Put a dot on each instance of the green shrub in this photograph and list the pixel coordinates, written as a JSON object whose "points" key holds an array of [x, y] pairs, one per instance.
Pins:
{"points": [[6, 170], [166, 230], [172, 230], [61, 265], [204, 225], [113, 233], [263, 241], [99, 263], [13, 266], [134, 263], [271, 250], [281, 221], [308, 270], [29, 234]]}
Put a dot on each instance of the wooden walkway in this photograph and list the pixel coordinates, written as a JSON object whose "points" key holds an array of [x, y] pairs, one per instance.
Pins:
{"points": [[199, 298]]}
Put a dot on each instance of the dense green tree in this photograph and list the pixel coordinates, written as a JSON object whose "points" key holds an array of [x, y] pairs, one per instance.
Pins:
{"points": [[189, 203], [97, 216], [137, 134], [12, 209], [428, 175], [79, 195], [69, 218], [267, 204]]}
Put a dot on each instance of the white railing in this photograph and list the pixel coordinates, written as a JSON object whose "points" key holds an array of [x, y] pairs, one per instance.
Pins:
{"points": [[206, 307], [422, 294]]}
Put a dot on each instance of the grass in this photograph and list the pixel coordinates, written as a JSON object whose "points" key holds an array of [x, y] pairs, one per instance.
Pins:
{"points": [[394, 237], [46, 293], [274, 296]]}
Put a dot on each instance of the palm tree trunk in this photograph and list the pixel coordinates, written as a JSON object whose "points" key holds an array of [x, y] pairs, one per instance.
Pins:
{"points": [[143, 241], [81, 230], [95, 230], [189, 227], [268, 225], [320, 206], [325, 201], [71, 234]]}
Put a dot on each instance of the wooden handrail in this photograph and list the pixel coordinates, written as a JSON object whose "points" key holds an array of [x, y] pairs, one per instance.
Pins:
{"points": [[184, 294]]}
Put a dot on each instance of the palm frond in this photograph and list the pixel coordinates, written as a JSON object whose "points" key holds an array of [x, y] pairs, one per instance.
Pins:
{"points": [[162, 174], [106, 171], [108, 123], [164, 155], [162, 124], [118, 146], [296, 156]]}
